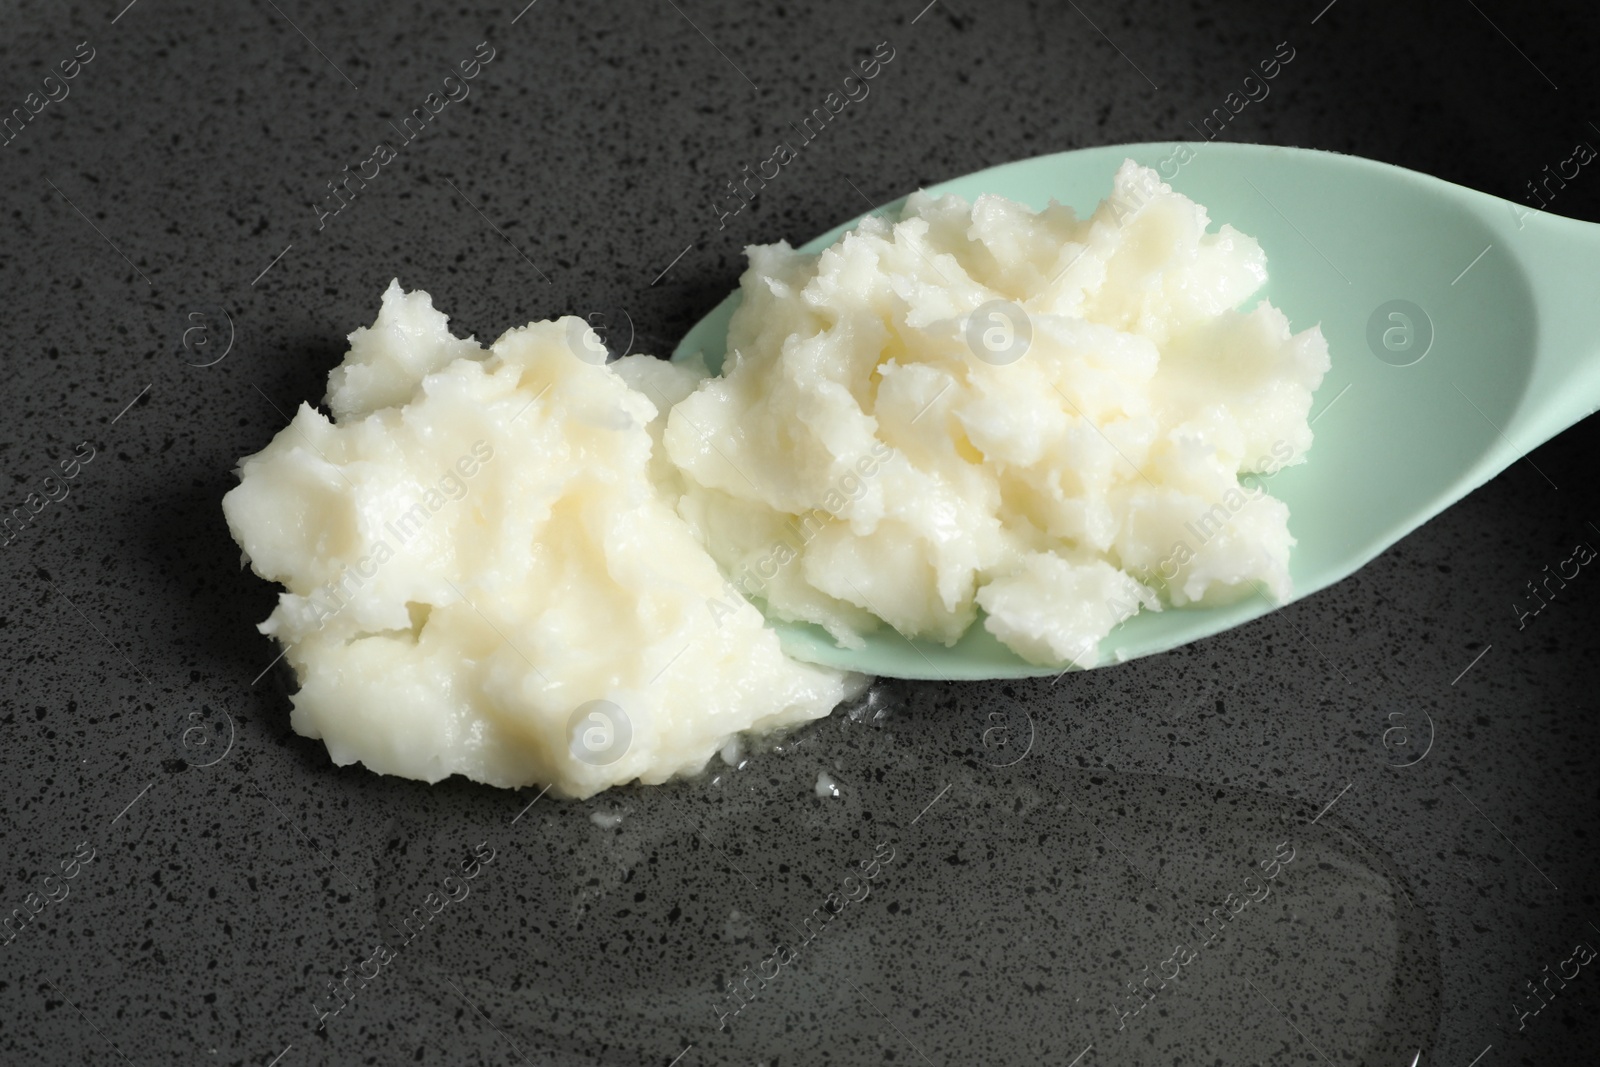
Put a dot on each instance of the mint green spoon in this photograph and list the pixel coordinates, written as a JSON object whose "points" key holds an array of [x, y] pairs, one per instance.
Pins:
{"points": [[1464, 331]]}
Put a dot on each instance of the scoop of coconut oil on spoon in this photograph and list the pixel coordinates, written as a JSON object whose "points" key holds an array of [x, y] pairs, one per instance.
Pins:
{"points": [[1461, 330]]}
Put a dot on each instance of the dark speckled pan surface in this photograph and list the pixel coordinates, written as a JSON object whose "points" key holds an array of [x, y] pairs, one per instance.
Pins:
{"points": [[1357, 829]]}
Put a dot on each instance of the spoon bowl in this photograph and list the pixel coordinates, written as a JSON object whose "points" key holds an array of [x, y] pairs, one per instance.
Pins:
{"points": [[1464, 331]]}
